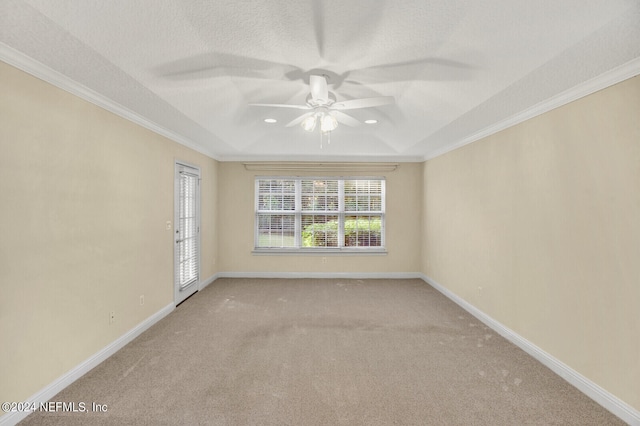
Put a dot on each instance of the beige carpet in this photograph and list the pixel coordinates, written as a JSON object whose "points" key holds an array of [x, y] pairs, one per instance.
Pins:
{"points": [[324, 352]]}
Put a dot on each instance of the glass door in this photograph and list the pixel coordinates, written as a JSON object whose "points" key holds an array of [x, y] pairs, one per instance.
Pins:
{"points": [[187, 231]]}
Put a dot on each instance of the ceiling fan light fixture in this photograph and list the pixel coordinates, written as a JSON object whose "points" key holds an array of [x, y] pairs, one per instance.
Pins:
{"points": [[328, 123], [309, 123], [270, 120], [324, 111]]}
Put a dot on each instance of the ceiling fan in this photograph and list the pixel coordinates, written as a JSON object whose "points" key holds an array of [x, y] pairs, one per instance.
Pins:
{"points": [[324, 110]]}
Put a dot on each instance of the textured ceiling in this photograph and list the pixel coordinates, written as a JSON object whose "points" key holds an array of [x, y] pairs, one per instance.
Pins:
{"points": [[189, 69]]}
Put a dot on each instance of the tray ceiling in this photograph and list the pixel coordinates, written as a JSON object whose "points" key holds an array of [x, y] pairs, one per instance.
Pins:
{"points": [[458, 70]]}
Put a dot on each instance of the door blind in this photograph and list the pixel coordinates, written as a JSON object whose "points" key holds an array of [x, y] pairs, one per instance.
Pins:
{"points": [[188, 230]]}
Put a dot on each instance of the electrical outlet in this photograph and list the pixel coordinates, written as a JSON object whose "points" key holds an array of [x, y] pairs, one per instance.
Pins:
{"points": [[112, 317], [141, 299], [324, 260]]}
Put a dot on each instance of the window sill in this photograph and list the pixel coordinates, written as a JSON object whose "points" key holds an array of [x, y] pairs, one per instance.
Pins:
{"points": [[319, 252]]}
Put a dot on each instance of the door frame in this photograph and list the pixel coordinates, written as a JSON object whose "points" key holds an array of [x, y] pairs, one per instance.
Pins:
{"points": [[179, 295]]}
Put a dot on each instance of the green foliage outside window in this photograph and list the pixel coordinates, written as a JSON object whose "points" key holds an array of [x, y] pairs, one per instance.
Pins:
{"points": [[361, 232]]}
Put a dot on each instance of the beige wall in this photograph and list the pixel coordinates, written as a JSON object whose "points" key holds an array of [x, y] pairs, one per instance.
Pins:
{"points": [[545, 217], [403, 212], [85, 198], [542, 216]]}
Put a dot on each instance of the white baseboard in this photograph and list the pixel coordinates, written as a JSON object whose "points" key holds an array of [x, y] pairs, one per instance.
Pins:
{"points": [[204, 283], [589, 388], [586, 386], [322, 275], [74, 374]]}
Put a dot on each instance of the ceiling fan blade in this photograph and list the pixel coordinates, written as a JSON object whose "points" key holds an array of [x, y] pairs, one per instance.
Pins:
{"points": [[282, 106], [299, 119], [319, 26], [345, 119], [319, 89], [425, 69], [218, 64], [363, 103]]}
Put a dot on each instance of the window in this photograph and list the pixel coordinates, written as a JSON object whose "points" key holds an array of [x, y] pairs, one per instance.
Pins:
{"points": [[315, 214]]}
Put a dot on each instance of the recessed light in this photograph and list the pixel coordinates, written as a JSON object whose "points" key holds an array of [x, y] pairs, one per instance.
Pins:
{"points": [[270, 120], [370, 121]]}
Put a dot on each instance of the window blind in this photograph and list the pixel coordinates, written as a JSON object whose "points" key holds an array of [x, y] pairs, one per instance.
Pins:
{"points": [[319, 213]]}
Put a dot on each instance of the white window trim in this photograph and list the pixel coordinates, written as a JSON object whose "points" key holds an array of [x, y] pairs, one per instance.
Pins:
{"points": [[321, 251]]}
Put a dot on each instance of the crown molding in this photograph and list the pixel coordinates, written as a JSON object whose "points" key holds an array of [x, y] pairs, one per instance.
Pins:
{"points": [[299, 166], [29, 65], [607, 79], [316, 158]]}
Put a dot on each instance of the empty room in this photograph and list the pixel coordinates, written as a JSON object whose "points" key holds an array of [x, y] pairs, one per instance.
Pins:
{"points": [[320, 212]]}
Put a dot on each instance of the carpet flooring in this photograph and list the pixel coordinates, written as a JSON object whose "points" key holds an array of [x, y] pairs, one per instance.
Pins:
{"points": [[323, 352]]}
